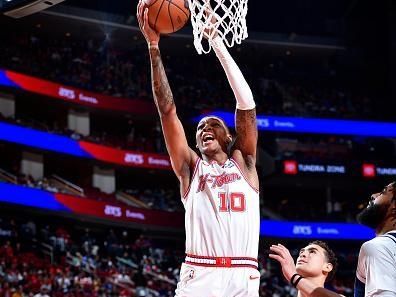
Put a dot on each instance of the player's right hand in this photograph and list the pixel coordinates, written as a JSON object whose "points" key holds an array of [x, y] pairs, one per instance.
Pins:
{"points": [[282, 255], [152, 37]]}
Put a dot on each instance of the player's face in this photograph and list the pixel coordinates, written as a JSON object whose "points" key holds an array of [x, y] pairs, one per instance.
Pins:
{"points": [[312, 261], [378, 207], [212, 135]]}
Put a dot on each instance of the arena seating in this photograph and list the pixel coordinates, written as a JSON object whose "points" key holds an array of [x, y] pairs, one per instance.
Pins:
{"points": [[77, 261], [280, 88]]}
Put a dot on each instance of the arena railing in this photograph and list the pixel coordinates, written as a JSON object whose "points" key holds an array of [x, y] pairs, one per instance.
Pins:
{"points": [[8, 177], [130, 200], [62, 183]]}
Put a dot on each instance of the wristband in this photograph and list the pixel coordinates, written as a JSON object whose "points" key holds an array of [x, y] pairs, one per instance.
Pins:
{"points": [[155, 45], [293, 277], [297, 281]]}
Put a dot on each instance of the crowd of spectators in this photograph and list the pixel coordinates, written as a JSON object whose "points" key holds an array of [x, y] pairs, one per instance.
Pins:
{"points": [[98, 66], [60, 261], [279, 88], [37, 259]]}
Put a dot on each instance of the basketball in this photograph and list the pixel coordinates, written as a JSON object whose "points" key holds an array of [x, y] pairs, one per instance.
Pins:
{"points": [[167, 16]]}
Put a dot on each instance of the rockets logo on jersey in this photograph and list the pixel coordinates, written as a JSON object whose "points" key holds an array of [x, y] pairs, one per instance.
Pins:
{"points": [[216, 180]]}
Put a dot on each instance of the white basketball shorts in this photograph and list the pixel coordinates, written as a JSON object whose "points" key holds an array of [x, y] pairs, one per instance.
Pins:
{"points": [[199, 281]]}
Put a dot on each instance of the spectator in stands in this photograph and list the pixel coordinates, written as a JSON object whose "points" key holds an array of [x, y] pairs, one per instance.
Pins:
{"points": [[43, 292]]}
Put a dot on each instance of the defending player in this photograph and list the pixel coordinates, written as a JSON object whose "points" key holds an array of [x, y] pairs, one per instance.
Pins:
{"points": [[376, 269], [376, 272], [219, 189], [316, 264]]}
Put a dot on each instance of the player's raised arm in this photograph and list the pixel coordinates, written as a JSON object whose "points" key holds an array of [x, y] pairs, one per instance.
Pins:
{"points": [[245, 117], [181, 155]]}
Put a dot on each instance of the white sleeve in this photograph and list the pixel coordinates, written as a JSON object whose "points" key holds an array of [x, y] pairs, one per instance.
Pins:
{"points": [[361, 267], [242, 92], [379, 267]]}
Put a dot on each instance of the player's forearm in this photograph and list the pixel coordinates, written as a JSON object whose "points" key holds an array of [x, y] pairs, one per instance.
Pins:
{"points": [[240, 87], [161, 90]]}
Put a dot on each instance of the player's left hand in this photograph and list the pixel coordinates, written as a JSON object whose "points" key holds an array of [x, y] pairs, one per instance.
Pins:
{"points": [[152, 37], [282, 255]]}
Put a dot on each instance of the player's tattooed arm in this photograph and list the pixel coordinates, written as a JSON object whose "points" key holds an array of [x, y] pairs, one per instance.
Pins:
{"points": [[162, 92], [246, 130], [181, 155]]}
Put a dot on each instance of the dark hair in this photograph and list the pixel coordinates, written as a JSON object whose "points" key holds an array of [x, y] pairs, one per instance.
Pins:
{"points": [[330, 256]]}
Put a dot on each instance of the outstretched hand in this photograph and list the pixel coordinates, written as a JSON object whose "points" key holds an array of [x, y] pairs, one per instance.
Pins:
{"points": [[152, 37], [282, 255], [211, 22]]}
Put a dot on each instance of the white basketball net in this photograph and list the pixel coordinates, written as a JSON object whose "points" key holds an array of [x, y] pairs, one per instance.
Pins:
{"points": [[223, 18]]}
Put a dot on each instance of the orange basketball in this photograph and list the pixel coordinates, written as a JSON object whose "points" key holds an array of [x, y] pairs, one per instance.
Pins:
{"points": [[167, 16]]}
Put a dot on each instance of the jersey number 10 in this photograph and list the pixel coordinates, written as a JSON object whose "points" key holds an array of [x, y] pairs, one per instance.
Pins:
{"points": [[234, 202]]}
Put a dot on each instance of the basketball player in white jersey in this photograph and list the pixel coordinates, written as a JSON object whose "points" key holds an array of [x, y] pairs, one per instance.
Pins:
{"points": [[219, 188], [376, 269]]}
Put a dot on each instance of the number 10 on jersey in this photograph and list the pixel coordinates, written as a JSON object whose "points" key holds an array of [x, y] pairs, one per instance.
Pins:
{"points": [[235, 202]]}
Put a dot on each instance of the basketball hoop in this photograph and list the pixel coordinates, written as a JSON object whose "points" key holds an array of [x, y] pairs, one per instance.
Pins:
{"points": [[226, 19]]}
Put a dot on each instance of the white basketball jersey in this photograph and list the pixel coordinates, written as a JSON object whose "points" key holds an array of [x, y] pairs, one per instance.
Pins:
{"points": [[222, 212]]}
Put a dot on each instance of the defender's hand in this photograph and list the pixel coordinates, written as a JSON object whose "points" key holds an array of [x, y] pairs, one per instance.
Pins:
{"points": [[152, 37], [282, 255]]}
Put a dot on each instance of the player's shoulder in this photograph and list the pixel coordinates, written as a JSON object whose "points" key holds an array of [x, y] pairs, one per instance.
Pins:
{"points": [[382, 242], [387, 238]]}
